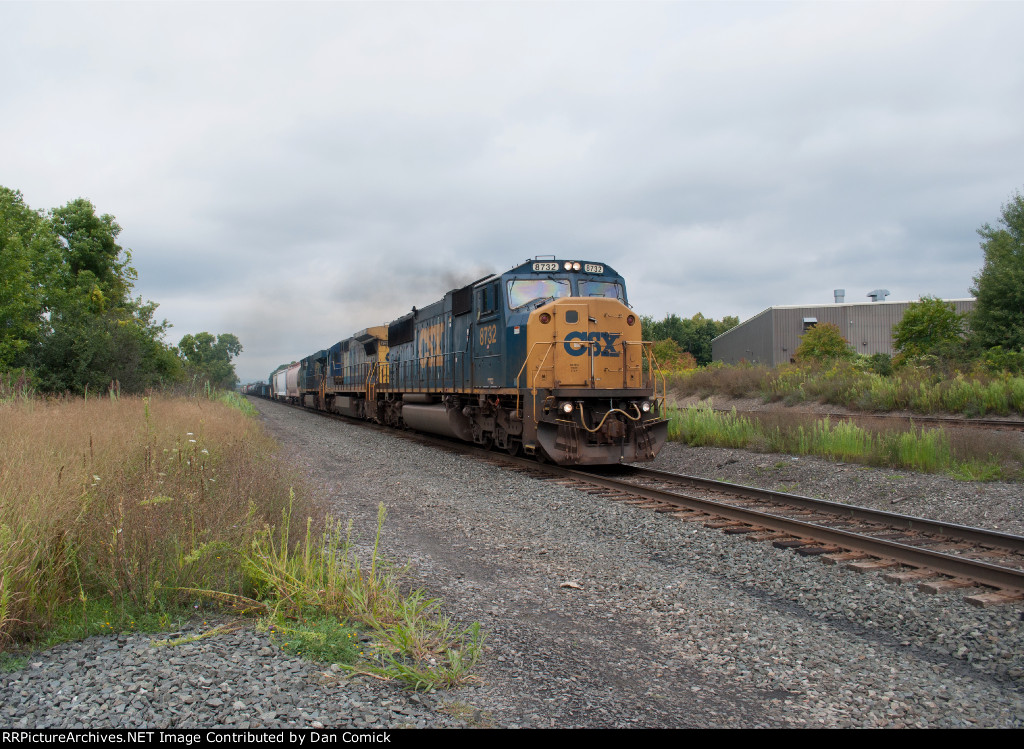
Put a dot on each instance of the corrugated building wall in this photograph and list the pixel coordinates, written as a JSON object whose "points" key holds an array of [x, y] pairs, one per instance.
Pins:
{"points": [[772, 336]]}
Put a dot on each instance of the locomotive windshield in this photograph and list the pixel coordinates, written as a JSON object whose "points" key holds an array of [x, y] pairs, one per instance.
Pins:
{"points": [[609, 289], [522, 291]]}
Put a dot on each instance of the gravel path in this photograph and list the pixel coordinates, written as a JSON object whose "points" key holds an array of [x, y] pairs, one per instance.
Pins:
{"points": [[598, 614]]}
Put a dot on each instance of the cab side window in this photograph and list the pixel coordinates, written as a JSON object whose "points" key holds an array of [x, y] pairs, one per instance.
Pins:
{"points": [[487, 301]]}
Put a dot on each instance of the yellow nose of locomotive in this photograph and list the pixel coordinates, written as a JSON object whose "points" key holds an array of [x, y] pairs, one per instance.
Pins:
{"points": [[587, 398], [591, 343]]}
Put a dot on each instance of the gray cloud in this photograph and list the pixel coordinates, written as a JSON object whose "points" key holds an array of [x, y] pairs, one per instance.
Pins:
{"points": [[292, 173]]}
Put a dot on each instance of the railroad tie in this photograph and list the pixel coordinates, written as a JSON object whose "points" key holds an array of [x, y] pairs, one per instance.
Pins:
{"points": [[814, 551], [766, 535], [941, 586], [844, 556], [689, 516], [907, 576], [995, 598]]}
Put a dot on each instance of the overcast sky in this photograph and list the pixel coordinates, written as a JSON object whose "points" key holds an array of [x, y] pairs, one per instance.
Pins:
{"points": [[294, 172]]}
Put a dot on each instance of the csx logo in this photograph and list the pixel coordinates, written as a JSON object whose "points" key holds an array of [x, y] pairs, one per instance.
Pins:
{"points": [[601, 344]]}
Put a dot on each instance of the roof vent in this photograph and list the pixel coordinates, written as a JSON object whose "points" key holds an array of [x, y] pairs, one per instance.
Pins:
{"points": [[840, 295], [878, 295]]}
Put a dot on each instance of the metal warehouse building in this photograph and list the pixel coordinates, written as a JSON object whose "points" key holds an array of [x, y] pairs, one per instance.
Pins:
{"points": [[772, 336]]}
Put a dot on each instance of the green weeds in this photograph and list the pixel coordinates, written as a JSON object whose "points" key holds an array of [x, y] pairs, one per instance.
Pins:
{"points": [[321, 585], [928, 450], [236, 400]]}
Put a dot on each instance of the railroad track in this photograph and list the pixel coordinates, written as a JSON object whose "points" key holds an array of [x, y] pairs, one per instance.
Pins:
{"points": [[936, 556], [946, 422]]}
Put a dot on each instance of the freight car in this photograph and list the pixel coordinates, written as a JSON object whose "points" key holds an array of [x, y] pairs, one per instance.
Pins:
{"points": [[546, 358], [260, 389]]}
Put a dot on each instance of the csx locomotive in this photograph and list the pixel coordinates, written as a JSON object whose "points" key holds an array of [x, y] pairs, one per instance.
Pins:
{"points": [[546, 358]]}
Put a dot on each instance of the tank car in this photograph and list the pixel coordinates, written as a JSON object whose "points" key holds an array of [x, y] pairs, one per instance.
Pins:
{"points": [[546, 358]]}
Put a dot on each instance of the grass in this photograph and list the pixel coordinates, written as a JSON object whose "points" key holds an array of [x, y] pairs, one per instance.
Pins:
{"points": [[854, 385], [128, 514], [472, 716], [323, 639], [322, 575], [927, 450]]}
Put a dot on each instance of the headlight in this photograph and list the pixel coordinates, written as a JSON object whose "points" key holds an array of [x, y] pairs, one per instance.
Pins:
{"points": [[568, 265], [566, 407], [645, 406], [576, 266]]}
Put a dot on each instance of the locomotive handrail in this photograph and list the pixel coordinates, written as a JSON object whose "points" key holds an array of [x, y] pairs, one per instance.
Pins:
{"points": [[550, 345], [358, 373], [424, 377], [370, 384], [664, 381], [648, 347]]}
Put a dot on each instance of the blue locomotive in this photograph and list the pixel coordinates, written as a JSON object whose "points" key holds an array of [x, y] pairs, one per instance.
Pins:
{"points": [[547, 359]]}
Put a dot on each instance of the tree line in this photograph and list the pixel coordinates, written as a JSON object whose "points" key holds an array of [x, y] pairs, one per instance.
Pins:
{"points": [[68, 320], [684, 343]]}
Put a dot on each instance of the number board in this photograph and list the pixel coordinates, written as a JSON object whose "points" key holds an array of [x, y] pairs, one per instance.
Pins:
{"points": [[593, 268], [488, 335], [545, 267]]}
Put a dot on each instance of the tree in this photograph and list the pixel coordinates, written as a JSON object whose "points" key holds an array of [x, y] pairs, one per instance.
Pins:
{"points": [[65, 307], [823, 342], [96, 332], [208, 357], [998, 318], [929, 326], [28, 252], [87, 348], [91, 252], [693, 335]]}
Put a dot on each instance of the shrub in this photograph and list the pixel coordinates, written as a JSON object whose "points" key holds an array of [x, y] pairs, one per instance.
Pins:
{"points": [[929, 326], [823, 343], [671, 357]]}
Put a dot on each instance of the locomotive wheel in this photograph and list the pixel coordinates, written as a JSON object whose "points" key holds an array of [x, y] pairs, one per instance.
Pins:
{"points": [[514, 446]]}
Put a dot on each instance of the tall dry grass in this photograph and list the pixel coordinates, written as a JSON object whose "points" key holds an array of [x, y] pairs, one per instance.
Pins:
{"points": [[140, 506], [740, 381], [129, 499]]}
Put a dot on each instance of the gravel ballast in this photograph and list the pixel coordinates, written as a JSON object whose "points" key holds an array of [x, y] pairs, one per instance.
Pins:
{"points": [[598, 614]]}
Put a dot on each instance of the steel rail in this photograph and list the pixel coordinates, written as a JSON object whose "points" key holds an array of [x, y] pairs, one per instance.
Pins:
{"points": [[951, 531], [996, 576]]}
